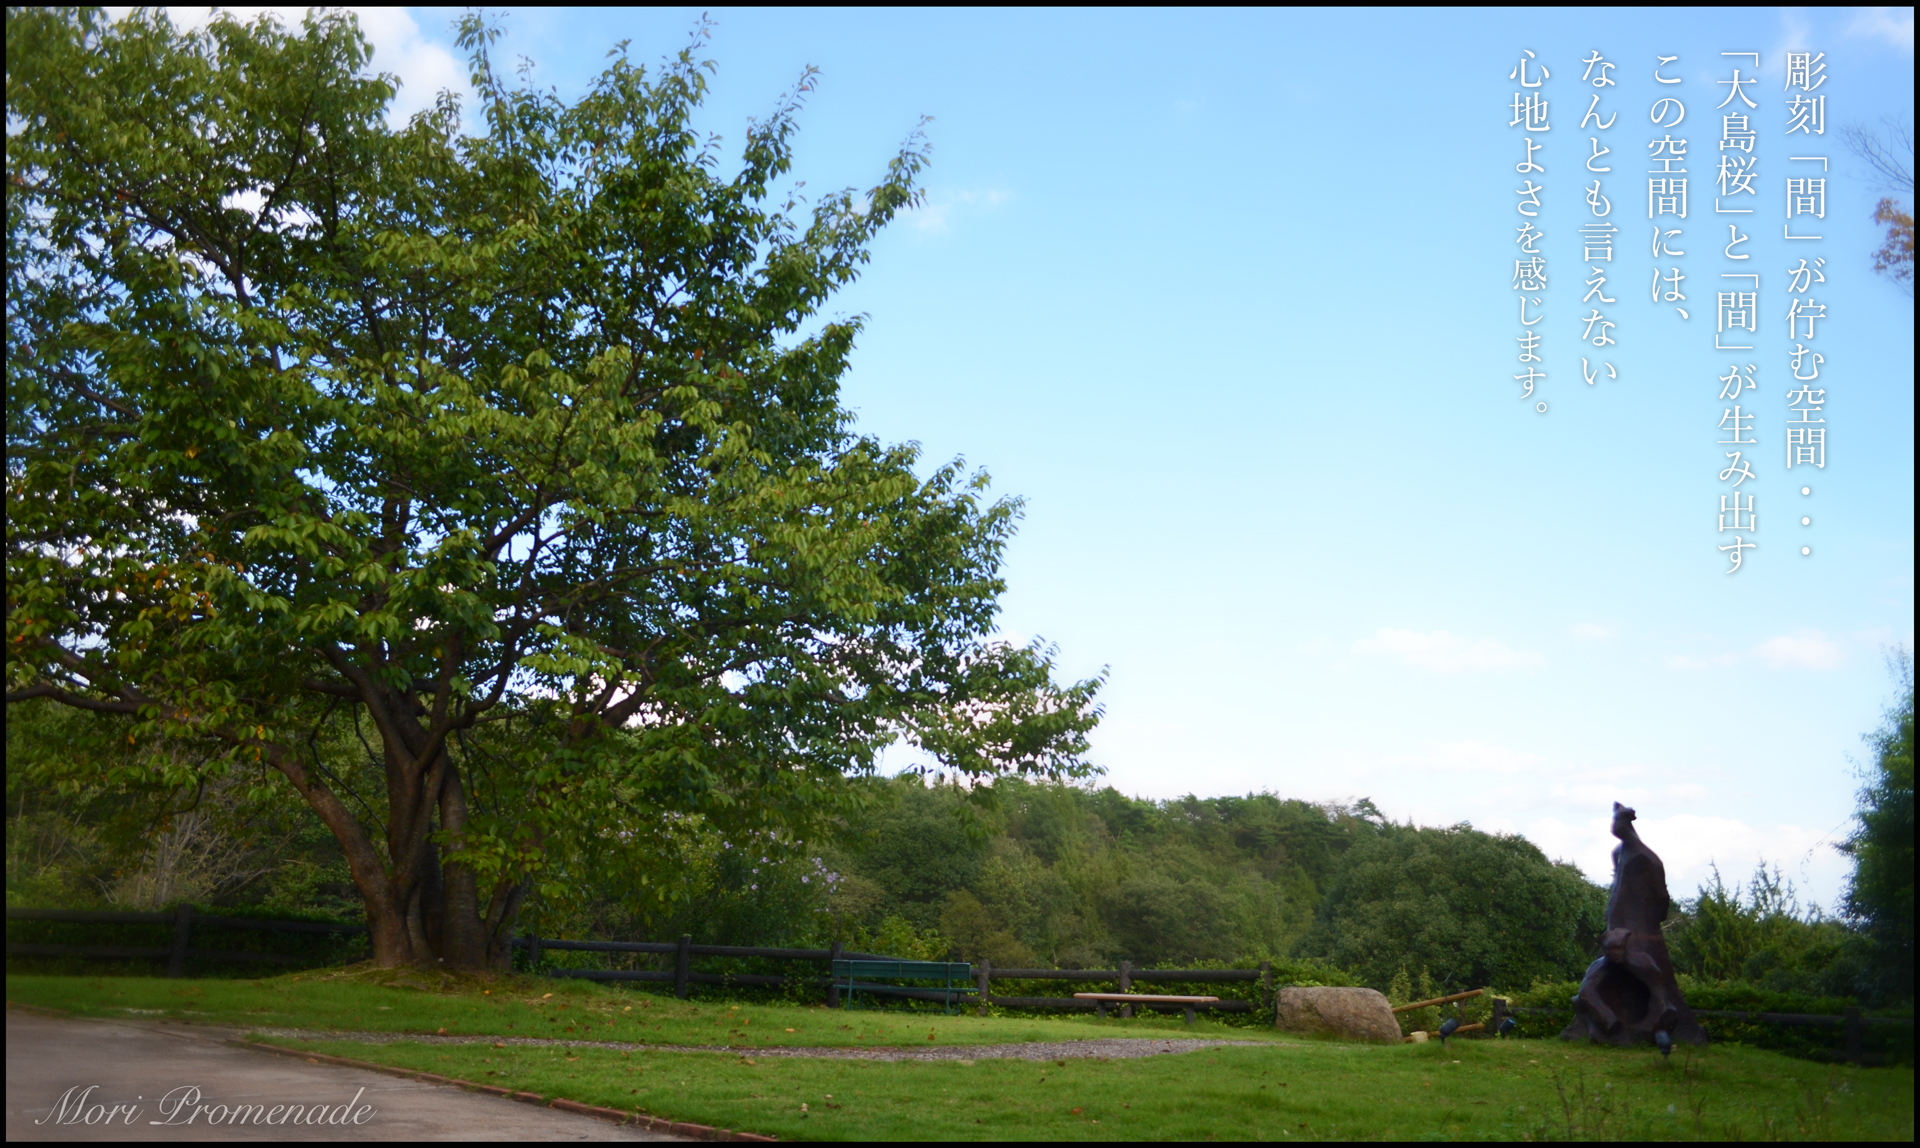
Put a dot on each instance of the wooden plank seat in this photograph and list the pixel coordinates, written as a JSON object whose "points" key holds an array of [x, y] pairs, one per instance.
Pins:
{"points": [[1102, 1000], [943, 981]]}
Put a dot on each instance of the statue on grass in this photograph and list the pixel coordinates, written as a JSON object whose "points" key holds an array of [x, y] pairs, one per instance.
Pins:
{"points": [[1629, 995]]}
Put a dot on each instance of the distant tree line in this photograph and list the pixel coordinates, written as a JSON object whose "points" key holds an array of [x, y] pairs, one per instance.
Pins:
{"points": [[1030, 874]]}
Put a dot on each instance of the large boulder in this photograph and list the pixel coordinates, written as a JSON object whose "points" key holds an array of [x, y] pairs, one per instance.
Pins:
{"points": [[1350, 1014]]}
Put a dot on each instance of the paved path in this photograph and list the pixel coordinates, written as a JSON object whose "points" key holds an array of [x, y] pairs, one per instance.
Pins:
{"points": [[133, 1063]]}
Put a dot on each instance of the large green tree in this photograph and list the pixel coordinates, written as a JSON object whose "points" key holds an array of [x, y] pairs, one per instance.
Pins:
{"points": [[1880, 891], [523, 448]]}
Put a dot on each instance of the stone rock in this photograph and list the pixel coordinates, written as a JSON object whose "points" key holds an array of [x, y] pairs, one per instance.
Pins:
{"points": [[1350, 1014]]}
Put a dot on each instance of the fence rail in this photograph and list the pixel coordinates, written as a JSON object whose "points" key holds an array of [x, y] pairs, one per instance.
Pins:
{"points": [[183, 919], [682, 976], [1090, 1006], [110, 917], [1220, 976], [153, 951]]}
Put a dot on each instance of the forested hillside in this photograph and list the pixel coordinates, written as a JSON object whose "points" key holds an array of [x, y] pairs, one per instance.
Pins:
{"points": [[1023, 875], [1067, 876]]}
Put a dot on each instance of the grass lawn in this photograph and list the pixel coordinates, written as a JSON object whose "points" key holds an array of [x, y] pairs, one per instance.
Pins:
{"points": [[1283, 1089], [1286, 1091], [393, 1000]]}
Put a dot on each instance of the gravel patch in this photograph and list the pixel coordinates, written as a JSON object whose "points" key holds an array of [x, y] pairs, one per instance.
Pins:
{"points": [[1108, 1048]]}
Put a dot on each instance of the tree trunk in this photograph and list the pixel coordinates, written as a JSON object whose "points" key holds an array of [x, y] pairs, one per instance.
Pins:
{"points": [[386, 914], [420, 910], [462, 940], [502, 912]]}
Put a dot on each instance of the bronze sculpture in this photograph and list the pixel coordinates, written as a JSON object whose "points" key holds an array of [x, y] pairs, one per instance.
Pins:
{"points": [[1629, 995]]}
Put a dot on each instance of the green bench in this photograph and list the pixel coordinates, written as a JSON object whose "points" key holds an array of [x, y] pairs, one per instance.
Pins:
{"points": [[943, 981]]}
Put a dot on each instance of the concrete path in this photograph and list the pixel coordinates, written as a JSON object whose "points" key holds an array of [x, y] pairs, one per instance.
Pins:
{"points": [[147, 1070]]}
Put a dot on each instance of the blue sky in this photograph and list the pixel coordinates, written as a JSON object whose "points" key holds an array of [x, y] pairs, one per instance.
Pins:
{"points": [[1226, 297]]}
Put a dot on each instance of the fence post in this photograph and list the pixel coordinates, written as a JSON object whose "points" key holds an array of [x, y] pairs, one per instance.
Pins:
{"points": [[1126, 986], [1856, 1031], [985, 977], [533, 954], [1499, 1014], [680, 963], [182, 929], [833, 983]]}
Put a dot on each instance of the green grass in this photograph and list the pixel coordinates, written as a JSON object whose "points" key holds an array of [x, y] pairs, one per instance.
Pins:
{"points": [[1282, 1089], [365, 1000], [1500, 1090]]}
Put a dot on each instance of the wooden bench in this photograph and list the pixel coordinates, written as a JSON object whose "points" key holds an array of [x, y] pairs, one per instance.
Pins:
{"points": [[1102, 1000], [881, 978]]}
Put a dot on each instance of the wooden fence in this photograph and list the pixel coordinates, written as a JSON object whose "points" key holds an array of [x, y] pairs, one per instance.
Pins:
{"points": [[684, 950], [177, 954], [682, 976], [1123, 978]]}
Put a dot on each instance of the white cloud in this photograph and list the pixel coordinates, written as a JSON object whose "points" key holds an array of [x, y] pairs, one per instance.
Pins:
{"points": [[1690, 846], [1801, 650], [1794, 30], [935, 213], [1713, 662], [1444, 653], [1894, 25], [1593, 631], [1805, 650], [930, 216], [1692, 817], [1481, 757], [423, 66]]}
